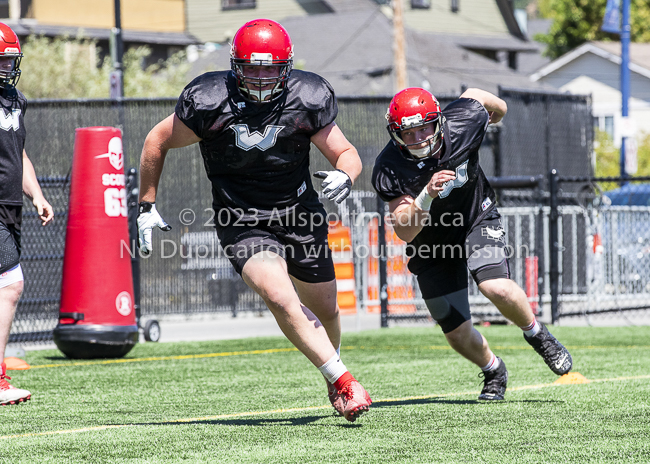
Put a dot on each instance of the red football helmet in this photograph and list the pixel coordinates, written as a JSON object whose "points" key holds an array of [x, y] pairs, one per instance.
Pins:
{"points": [[9, 47], [412, 108], [257, 46]]}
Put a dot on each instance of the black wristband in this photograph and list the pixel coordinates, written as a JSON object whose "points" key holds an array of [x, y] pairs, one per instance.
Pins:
{"points": [[145, 207]]}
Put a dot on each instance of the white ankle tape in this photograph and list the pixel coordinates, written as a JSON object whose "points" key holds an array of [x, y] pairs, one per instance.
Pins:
{"points": [[333, 369]]}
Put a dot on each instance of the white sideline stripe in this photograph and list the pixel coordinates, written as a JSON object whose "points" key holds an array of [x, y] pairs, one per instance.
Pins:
{"points": [[308, 408]]}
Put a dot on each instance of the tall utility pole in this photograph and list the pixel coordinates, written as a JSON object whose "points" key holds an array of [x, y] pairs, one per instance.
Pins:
{"points": [[117, 52], [625, 74], [399, 47]]}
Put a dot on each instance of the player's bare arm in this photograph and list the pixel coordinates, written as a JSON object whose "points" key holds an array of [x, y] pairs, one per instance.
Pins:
{"points": [[409, 214], [167, 134], [32, 189], [342, 156], [493, 104]]}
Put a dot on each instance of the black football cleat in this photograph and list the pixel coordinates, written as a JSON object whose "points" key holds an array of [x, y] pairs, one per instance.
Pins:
{"points": [[494, 383], [554, 354]]}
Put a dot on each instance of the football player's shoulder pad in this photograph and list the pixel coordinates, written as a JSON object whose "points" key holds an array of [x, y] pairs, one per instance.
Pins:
{"points": [[312, 89], [465, 109], [208, 90]]}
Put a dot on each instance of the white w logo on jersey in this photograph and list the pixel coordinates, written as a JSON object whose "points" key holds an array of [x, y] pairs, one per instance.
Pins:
{"points": [[247, 141], [10, 121], [459, 181]]}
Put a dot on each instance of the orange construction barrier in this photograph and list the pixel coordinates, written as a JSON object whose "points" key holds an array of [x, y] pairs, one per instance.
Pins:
{"points": [[340, 242], [531, 282], [398, 276], [598, 245]]}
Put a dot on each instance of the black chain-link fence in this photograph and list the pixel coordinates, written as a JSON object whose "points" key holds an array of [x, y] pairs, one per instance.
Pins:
{"points": [[42, 263], [190, 274]]}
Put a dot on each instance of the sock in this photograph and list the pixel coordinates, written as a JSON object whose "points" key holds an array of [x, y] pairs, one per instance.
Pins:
{"points": [[343, 381], [338, 351], [493, 364], [333, 369], [532, 329]]}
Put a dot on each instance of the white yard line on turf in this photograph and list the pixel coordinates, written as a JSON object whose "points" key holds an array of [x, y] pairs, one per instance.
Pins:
{"points": [[309, 408]]}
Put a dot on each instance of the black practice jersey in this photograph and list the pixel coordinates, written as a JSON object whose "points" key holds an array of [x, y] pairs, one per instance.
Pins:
{"points": [[12, 142], [469, 195], [257, 155]]}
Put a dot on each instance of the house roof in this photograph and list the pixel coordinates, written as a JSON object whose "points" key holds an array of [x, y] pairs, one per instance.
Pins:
{"points": [[354, 52], [508, 43], [611, 51], [345, 6], [25, 28]]}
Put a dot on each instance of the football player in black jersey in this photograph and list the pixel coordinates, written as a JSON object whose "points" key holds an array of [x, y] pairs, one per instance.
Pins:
{"points": [[254, 126], [17, 176], [444, 207]]}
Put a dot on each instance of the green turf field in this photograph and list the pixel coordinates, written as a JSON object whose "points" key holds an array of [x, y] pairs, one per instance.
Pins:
{"points": [[260, 401]]}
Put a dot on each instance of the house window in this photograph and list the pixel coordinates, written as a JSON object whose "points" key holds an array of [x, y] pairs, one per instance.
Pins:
{"points": [[455, 6], [609, 126], [605, 124], [421, 4], [238, 4]]}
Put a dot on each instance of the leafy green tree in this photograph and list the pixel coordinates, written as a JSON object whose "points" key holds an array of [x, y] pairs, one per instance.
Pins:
{"points": [[67, 68], [578, 21], [608, 158], [163, 79]]}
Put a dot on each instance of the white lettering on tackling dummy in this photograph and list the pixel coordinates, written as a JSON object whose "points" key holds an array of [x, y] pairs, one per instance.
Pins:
{"points": [[115, 202], [113, 180]]}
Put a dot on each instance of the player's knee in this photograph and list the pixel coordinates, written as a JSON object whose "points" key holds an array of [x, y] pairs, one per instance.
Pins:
{"points": [[438, 307], [457, 337], [11, 293], [497, 290], [449, 311], [327, 312], [277, 299]]}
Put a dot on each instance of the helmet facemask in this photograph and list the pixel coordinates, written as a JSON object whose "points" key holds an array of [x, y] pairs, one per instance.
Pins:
{"points": [[416, 151], [253, 87], [10, 77]]}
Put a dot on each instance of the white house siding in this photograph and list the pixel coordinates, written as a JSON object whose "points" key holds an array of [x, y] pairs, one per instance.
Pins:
{"points": [[207, 21], [591, 74], [476, 17]]}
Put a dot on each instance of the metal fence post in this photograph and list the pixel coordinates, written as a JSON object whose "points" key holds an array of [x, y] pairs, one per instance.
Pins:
{"points": [[539, 243], [555, 245], [132, 193], [383, 262]]}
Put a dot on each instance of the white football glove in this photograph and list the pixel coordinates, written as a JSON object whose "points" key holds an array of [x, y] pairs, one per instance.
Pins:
{"points": [[336, 186], [148, 218]]}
